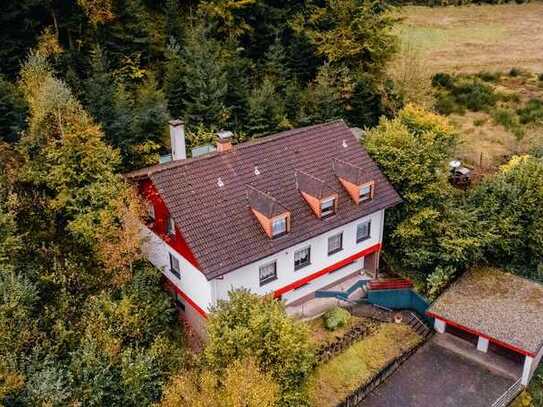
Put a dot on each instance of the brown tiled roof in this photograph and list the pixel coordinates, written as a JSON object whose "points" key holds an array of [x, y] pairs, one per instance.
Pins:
{"points": [[351, 173], [312, 185], [216, 221], [264, 203]]}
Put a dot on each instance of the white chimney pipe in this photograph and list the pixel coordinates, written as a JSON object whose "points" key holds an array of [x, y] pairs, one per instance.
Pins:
{"points": [[177, 140]]}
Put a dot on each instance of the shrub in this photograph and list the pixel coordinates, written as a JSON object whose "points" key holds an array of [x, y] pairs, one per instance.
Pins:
{"points": [[336, 318], [242, 384], [446, 104], [444, 80], [514, 72], [532, 112], [489, 76], [475, 95], [509, 119], [508, 97], [506, 117]]}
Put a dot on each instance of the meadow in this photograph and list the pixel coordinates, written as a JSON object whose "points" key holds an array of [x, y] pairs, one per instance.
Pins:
{"points": [[472, 38], [500, 43]]}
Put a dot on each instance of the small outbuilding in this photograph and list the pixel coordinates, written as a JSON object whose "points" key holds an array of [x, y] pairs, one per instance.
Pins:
{"points": [[495, 308]]}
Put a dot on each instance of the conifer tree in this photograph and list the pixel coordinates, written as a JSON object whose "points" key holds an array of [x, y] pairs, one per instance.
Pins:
{"points": [[204, 79], [174, 84], [266, 110]]}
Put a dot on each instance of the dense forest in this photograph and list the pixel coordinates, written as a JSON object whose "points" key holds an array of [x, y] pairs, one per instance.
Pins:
{"points": [[250, 66], [86, 90]]}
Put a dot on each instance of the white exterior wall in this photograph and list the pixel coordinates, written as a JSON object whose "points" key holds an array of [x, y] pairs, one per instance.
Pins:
{"points": [[192, 282], [530, 365], [248, 276], [440, 325]]}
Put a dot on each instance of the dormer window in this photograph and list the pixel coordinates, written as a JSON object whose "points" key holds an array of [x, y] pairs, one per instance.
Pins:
{"points": [[272, 216], [321, 198], [279, 226], [366, 192], [328, 207], [356, 181]]}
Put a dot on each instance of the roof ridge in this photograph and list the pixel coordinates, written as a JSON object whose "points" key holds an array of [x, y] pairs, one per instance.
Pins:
{"points": [[250, 143]]}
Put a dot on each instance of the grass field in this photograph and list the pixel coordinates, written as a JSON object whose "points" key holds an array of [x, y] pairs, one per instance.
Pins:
{"points": [[474, 38], [465, 40]]}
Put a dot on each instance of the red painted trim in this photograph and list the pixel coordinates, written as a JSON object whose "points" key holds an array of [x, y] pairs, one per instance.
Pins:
{"points": [[177, 242], [199, 310], [390, 284], [375, 248], [477, 333]]}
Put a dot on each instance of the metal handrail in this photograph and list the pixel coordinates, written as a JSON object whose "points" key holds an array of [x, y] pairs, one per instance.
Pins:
{"points": [[506, 398]]}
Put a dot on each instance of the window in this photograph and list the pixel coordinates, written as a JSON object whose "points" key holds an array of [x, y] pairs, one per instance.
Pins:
{"points": [[179, 302], [335, 244], [302, 258], [363, 231], [268, 273], [279, 226], [366, 192], [174, 266], [328, 207], [170, 226]]}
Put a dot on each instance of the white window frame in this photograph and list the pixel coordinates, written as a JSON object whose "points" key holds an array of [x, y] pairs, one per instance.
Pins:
{"points": [[268, 279], [366, 196], [332, 209], [366, 237], [174, 261], [297, 254], [337, 249], [283, 220]]}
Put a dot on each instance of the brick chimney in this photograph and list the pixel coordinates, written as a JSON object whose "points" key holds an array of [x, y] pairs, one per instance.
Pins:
{"points": [[177, 140], [225, 141]]}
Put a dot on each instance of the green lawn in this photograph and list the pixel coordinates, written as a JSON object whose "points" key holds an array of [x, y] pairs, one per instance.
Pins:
{"points": [[333, 381]]}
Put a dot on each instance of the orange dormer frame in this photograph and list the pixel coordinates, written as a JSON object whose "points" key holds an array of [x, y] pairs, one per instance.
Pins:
{"points": [[267, 223], [354, 190], [315, 203]]}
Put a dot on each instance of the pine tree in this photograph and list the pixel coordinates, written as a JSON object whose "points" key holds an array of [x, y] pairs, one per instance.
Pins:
{"points": [[99, 91], [174, 84], [366, 104], [205, 80], [266, 110]]}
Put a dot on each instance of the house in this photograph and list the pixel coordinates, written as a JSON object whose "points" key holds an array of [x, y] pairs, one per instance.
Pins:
{"points": [[499, 313], [287, 215]]}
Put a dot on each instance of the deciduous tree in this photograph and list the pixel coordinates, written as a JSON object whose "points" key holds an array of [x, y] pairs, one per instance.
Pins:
{"points": [[250, 326]]}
